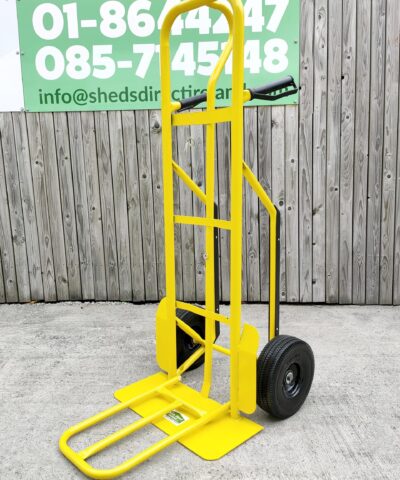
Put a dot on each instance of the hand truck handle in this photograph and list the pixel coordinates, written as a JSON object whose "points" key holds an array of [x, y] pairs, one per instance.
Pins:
{"points": [[266, 92], [269, 91], [192, 102]]}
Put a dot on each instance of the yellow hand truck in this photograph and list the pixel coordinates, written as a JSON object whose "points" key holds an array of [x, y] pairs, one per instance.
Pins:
{"points": [[280, 379]]}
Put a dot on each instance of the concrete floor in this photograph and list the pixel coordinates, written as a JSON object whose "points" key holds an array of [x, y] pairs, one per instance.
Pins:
{"points": [[62, 363]]}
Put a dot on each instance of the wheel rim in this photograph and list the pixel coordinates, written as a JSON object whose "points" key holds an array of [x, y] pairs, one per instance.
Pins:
{"points": [[292, 381]]}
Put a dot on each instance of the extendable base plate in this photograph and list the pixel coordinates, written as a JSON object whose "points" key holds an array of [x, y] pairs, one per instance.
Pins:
{"points": [[213, 440]]}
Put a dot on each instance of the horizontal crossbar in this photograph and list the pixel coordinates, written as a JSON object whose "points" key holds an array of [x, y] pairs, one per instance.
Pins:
{"points": [[220, 115], [203, 222], [202, 312]]}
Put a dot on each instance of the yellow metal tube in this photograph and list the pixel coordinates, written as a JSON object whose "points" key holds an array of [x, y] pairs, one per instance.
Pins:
{"points": [[189, 182], [220, 115], [210, 204], [236, 200], [145, 454], [270, 207], [125, 432], [200, 311], [203, 222], [191, 360]]}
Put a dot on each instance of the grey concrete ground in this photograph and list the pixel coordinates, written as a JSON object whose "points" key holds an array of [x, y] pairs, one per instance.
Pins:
{"points": [[62, 363]]}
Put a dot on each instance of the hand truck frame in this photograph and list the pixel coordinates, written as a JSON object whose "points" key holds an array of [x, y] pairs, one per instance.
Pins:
{"points": [[187, 416]]}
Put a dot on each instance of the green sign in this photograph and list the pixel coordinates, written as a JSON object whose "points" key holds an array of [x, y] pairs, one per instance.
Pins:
{"points": [[104, 55]]}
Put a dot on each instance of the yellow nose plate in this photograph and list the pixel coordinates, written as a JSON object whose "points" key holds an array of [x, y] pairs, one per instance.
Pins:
{"points": [[213, 440]]}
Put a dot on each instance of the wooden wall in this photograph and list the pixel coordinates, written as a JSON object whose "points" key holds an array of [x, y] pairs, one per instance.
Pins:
{"points": [[81, 193]]}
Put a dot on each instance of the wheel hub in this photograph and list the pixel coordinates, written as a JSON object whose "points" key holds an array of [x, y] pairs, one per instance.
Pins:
{"points": [[291, 381], [289, 377]]}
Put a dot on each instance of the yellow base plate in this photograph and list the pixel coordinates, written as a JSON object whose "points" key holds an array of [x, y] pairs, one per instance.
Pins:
{"points": [[212, 441]]}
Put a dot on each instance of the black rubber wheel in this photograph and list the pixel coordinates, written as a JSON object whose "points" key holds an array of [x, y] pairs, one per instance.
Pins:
{"points": [[185, 345], [285, 371]]}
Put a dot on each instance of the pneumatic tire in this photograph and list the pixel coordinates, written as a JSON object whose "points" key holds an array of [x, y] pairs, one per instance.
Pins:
{"points": [[285, 371]]}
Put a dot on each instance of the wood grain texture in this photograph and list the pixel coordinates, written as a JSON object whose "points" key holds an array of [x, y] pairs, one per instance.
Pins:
{"points": [[278, 185], [15, 207], [376, 141], [184, 160], [389, 154], [198, 173], [107, 205], [361, 152], [146, 204], [9, 277], [81, 205], [347, 152], [54, 202], [265, 177], [68, 206], [319, 151], [81, 197], [292, 204], [251, 248], [94, 205], [28, 206], [133, 202], [334, 106], [2, 291], [158, 196], [42, 207], [306, 148], [120, 205]]}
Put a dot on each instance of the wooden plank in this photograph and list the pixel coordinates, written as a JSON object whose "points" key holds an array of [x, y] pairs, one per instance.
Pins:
{"points": [[54, 202], [94, 205], [224, 200], [305, 149], [278, 185], [265, 178], [292, 204], [251, 251], [7, 264], [133, 199], [28, 206], [158, 196], [120, 204], [390, 154], [186, 208], [376, 136], [334, 96], [68, 205], [198, 172], [146, 204], [361, 150], [81, 205], [2, 291], [42, 207], [396, 268], [319, 149], [15, 207], [347, 152], [107, 205]]}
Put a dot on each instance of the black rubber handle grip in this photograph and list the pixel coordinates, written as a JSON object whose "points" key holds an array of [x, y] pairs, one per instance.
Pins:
{"points": [[272, 87], [192, 102]]}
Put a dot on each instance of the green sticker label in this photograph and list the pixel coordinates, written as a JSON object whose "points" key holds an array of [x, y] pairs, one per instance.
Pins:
{"points": [[175, 417]]}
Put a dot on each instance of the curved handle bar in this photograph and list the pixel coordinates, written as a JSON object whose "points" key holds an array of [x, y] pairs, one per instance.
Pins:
{"points": [[266, 92]]}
